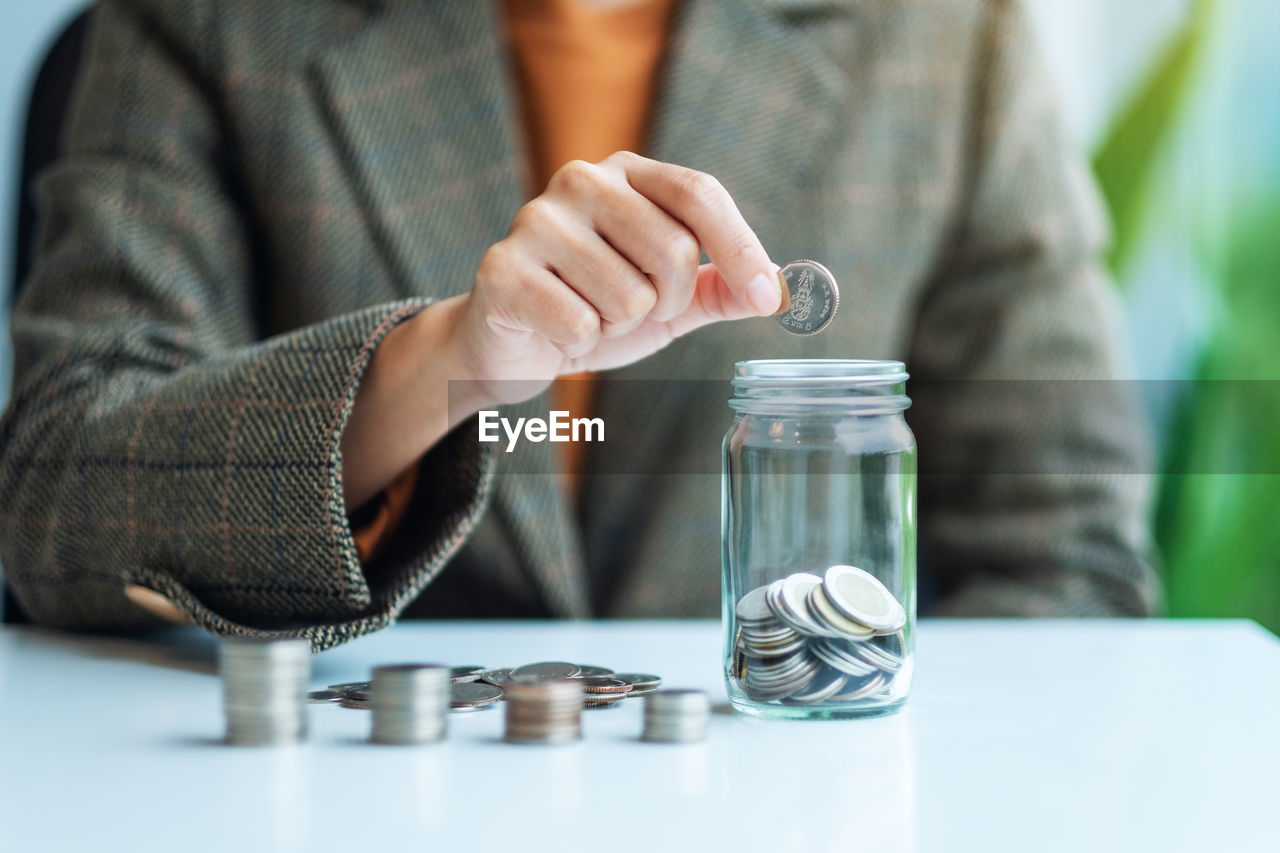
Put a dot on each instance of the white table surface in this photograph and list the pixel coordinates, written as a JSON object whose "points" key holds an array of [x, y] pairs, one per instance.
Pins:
{"points": [[1030, 736]]}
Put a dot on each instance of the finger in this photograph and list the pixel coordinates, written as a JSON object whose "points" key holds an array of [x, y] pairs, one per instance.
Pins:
{"points": [[654, 242], [706, 208], [621, 294], [713, 302], [534, 299]]}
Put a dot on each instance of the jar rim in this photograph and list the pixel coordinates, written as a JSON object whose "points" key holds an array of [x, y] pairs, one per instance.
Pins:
{"points": [[825, 371], [861, 386]]}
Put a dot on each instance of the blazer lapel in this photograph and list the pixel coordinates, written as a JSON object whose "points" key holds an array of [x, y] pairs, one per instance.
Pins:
{"points": [[749, 99], [746, 98], [419, 102]]}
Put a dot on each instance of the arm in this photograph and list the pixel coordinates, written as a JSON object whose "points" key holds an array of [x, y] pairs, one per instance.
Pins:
{"points": [[153, 438], [1033, 493], [599, 271]]}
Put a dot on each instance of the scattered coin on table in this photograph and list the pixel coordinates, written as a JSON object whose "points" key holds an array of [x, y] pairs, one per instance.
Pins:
{"points": [[585, 671], [605, 684], [640, 681], [496, 676], [343, 688], [463, 674], [474, 688], [323, 697], [547, 670], [474, 695]]}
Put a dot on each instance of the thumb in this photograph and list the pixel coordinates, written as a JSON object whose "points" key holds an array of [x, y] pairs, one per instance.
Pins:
{"points": [[714, 301]]}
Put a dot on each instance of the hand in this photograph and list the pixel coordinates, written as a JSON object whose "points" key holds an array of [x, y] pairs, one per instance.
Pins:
{"points": [[602, 270], [599, 271]]}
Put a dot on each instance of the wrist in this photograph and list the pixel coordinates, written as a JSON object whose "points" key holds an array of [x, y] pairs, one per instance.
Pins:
{"points": [[466, 391]]}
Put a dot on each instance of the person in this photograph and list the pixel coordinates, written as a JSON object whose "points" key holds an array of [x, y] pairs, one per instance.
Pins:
{"points": [[292, 248]]}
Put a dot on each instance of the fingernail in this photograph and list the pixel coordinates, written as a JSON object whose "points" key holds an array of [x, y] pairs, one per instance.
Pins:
{"points": [[764, 295]]}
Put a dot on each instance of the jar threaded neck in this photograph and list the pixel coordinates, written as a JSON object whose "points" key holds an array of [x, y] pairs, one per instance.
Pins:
{"points": [[853, 385]]}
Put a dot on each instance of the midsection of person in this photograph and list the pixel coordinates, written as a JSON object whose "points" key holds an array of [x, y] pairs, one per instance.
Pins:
{"points": [[370, 156], [552, 114]]}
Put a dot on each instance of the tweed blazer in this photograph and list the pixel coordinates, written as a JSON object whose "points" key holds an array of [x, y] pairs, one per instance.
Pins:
{"points": [[252, 194]]}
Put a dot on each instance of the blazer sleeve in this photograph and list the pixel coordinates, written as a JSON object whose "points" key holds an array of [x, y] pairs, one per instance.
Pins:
{"points": [[154, 438], [1034, 458]]}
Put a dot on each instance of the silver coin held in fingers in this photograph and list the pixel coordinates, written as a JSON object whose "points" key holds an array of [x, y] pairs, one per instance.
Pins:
{"points": [[810, 297]]}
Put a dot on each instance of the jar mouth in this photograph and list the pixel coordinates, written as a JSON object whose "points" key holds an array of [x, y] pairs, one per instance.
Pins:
{"points": [[843, 371], [857, 385]]}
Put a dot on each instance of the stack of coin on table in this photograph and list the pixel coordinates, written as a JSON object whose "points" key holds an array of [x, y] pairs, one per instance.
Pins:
{"points": [[265, 697], [805, 639], [410, 703], [264, 685], [676, 716], [547, 711]]}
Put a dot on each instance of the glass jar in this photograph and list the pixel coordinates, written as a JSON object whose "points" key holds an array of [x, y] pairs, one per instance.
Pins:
{"points": [[819, 539]]}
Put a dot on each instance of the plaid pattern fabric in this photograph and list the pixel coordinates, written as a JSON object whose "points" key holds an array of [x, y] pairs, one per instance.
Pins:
{"points": [[254, 193]]}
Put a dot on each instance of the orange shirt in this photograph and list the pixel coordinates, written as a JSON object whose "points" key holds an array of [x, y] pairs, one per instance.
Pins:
{"points": [[588, 74]]}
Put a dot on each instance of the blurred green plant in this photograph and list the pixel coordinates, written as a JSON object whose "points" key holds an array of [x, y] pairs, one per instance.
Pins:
{"points": [[1218, 531], [1129, 154], [1215, 522]]}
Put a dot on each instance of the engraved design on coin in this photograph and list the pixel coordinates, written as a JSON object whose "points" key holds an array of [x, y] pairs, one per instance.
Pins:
{"points": [[802, 303], [810, 300]]}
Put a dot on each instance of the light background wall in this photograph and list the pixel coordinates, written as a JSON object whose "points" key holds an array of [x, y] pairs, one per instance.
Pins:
{"points": [[27, 29]]}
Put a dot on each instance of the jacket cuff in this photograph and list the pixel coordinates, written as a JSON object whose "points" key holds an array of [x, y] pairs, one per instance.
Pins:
{"points": [[340, 599]]}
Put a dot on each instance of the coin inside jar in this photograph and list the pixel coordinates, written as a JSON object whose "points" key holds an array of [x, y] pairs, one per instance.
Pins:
{"points": [[861, 596], [810, 297]]}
